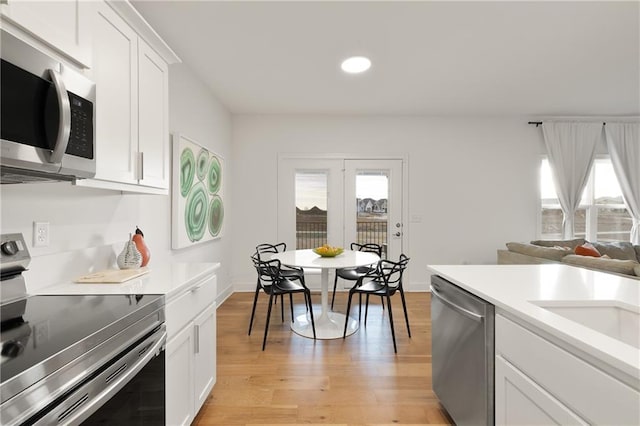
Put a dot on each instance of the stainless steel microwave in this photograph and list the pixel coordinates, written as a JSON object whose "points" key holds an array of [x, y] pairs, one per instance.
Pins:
{"points": [[47, 117]]}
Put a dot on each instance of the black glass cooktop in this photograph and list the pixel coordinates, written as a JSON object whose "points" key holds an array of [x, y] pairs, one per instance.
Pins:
{"points": [[39, 327]]}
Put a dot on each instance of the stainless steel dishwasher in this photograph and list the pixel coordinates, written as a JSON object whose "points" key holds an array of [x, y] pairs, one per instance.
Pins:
{"points": [[462, 344]]}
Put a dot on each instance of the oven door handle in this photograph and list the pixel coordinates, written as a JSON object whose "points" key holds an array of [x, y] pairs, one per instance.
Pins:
{"points": [[64, 127], [89, 398]]}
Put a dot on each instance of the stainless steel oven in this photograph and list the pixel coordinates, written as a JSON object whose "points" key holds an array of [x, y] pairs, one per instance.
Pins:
{"points": [[47, 116], [79, 359]]}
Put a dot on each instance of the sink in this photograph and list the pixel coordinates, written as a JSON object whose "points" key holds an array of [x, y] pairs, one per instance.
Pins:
{"points": [[616, 320]]}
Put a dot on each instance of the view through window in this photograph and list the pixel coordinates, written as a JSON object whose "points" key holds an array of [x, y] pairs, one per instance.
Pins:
{"points": [[372, 189], [601, 216], [311, 209], [372, 195]]}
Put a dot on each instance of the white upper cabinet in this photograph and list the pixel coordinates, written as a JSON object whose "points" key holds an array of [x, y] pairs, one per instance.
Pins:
{"points": [[64, 26], [115, 71], [153, 113], [132, 102]]}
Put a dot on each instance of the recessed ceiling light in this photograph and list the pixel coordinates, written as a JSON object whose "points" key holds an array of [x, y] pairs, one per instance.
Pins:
{"points": [[356, 64]]}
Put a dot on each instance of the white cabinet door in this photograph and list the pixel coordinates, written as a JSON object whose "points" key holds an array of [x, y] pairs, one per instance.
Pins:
{"points": [[179, 378], [115, 72], [205, 355], [153, 112], [62, 25], [591, 391], [520, 401]]}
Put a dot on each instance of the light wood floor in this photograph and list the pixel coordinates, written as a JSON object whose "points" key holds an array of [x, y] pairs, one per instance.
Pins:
{"points": [[355, 381]]}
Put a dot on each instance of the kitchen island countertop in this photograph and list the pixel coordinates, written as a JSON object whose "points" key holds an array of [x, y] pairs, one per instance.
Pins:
{"points": [[167, 278], [518, 290]]}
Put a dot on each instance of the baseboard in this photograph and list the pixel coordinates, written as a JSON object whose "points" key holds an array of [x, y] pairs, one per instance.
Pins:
{"points": [[224, 295]]}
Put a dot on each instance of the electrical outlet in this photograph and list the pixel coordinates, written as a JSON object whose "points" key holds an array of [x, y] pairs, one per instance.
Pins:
{"points": [[41, 234]]}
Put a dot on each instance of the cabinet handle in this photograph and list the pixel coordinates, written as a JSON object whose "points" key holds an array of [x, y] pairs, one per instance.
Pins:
{"points": [[196, 329], [141, 165], [197, 287]]}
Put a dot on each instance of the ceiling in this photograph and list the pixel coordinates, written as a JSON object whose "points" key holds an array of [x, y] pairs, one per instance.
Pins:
{"points": [[429, 58]]}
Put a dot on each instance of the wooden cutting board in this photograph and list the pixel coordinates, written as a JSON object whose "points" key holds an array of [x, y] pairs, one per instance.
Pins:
{"points": [[112, 276]]}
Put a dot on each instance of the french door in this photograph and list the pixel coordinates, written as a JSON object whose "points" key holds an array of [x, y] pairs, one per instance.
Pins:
{"points": [[373, 204], [338, 201]]}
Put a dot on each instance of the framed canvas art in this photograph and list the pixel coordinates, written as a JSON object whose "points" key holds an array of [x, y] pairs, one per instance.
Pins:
{"points": [[197, 207]]}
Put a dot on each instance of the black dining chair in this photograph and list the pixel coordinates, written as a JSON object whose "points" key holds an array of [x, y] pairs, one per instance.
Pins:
{"points": [[273, 283], [385, 281], [353, 274], [264, 251], [290, 272]]}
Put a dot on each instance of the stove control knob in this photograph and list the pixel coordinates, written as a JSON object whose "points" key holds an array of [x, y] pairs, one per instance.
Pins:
{"points": [[12, 349], [9, 247]]}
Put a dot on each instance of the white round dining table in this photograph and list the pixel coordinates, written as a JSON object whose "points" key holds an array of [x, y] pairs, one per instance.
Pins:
{"points": [[329, 325]]}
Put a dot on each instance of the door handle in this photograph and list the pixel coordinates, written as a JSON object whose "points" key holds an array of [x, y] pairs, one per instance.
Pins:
{"points": [[397, 234]]}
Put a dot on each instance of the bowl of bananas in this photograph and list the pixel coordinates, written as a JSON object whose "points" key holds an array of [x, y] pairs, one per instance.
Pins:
{"points": [[328, 251]]}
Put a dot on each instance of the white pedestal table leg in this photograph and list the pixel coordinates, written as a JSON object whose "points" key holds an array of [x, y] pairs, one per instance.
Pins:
{"points": [[329, 325]]}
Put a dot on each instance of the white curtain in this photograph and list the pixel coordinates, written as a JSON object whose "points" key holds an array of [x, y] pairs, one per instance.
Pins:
{"points": [[623, 143], [571, 147]]}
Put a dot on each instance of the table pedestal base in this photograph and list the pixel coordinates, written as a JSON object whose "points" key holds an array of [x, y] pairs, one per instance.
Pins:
{"points": [[329, 325]]}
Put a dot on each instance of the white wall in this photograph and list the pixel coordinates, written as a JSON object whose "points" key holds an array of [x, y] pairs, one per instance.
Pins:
{"points": [[88, 227], [474, 181]]}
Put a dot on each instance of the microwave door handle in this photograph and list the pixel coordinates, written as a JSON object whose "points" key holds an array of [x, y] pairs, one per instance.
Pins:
{"points": [[64, 128]]}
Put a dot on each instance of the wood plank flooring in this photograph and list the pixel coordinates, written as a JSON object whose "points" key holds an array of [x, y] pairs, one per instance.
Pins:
{"points": [[355, 381]]}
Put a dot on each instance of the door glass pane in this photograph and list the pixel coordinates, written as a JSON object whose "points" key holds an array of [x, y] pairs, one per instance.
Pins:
{"points": [[311, 209], [372, 195]]}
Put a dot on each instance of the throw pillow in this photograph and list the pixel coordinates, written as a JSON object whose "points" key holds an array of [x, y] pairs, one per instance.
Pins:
{"points": [[637, 270], [564, 243], [587, 249], [616, 249]]}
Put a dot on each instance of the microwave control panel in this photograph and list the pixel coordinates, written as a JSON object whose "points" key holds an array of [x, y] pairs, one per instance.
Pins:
{"points": [[81, 136]]}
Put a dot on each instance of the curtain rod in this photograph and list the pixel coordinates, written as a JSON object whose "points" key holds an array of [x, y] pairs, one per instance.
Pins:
{"points": [[539, 123]]}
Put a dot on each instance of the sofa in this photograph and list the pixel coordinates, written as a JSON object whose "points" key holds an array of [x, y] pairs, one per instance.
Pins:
{"points": [[620, 258]]}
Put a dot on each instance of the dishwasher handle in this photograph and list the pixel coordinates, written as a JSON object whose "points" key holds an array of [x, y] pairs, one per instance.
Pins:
{"points": [[457, 308]]}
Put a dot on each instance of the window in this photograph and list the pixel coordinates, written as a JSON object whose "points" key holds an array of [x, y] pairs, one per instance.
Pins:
{"points": [[372, 195], [311, 209], [601, 215]]}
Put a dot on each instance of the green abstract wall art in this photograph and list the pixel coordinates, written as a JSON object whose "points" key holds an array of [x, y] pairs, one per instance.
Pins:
{"points": [[197, 210]]}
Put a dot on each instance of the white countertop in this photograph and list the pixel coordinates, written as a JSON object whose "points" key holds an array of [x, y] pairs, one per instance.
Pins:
{"points": [[167, 279], [513, 288]]}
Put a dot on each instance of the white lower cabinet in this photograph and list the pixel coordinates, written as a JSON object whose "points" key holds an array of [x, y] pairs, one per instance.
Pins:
{"points": [[539, 382], [191, 350], [179, 379], [520, 401], [205, 356]]}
